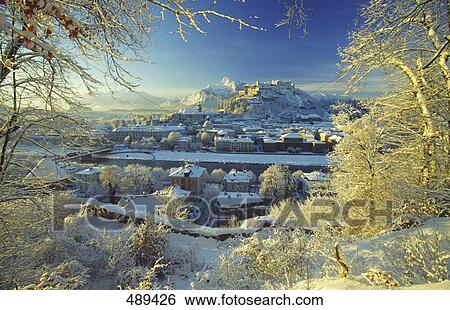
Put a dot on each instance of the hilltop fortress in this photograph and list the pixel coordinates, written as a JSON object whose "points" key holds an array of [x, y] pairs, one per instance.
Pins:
{"points": [[268, 98], [267, 90]]}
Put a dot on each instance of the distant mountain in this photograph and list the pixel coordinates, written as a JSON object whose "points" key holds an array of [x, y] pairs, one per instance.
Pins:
{"points": [[211, 96], [223, 95], [128, 100]]}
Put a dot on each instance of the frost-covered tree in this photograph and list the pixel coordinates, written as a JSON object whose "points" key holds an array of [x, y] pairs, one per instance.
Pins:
{"points": [[148, 242], [173, 136], [211, 191], [281, 259], [52, 51], [361, 171], [277, 183], [205, 138], [140, 177], [114, 178], [297, 174], [217, 176], [111, 175], [405, 143], [159, 176]]}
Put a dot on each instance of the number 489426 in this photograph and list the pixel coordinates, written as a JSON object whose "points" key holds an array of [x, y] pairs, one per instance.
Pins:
{"points": [[147, 299]]}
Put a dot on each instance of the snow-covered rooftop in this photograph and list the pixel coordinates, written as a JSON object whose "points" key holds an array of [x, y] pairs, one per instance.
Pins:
{"points": [[232, 199], [225, 131], [191, 111], [269, 140], [291, 135], [238, 177], [336, 138], [141, 128], [236, 140], [192, 171], [316, 176], [252, 128], [88, 171], [184, 139]]}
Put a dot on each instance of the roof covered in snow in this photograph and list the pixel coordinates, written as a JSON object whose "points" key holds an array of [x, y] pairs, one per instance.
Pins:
{"points": [[141, 128], [88, 171], [336, 138], [238, 177], [237, 140], [291, 135], [233, 199], [191, 171], [316, 176], [269, 140]]}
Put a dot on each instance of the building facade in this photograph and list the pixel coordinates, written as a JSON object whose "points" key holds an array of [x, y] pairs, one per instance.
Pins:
{"points": [[189, 177], [137, 133], [240, 145], [88, 179], [237, 181]]}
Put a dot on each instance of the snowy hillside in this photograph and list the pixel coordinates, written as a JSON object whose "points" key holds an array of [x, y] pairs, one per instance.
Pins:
{"points": [[275, 98]]}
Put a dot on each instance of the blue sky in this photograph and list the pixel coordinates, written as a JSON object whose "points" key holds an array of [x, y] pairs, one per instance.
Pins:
{"points": [[177, 68]]}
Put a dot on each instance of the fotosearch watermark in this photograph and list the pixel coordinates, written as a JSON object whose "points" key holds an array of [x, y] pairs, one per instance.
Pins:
{"points": [[110, 213], [354, 213]]}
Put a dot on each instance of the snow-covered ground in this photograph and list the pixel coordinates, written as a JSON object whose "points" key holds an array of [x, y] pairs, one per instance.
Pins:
{"points": [[192, 255], [298, 160], [198, 254]]}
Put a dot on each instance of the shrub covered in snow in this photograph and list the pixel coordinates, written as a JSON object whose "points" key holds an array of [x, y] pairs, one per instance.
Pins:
{"points": [[68, 275], [277, 183], [281, 258], [148, 242], [150, 280], [417, 257], [176, 208]]}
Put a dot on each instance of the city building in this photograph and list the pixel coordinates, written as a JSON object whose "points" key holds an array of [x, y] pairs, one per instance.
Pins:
{"points": [[320, 147], [189, 177], [292, 142], [192, 115], [186, 144], [317, 182], [240, 145], [267, 90], [88, 179], [137, 133], [269, 145], [237, 181], [238, 200]]}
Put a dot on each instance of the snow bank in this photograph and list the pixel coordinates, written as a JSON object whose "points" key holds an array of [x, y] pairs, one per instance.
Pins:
{"points": [[367, 251], [299, 160]]}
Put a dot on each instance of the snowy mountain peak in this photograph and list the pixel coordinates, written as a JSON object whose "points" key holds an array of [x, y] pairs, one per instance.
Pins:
{"points": [[225, 88], [228, 83], [212, 95]]}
